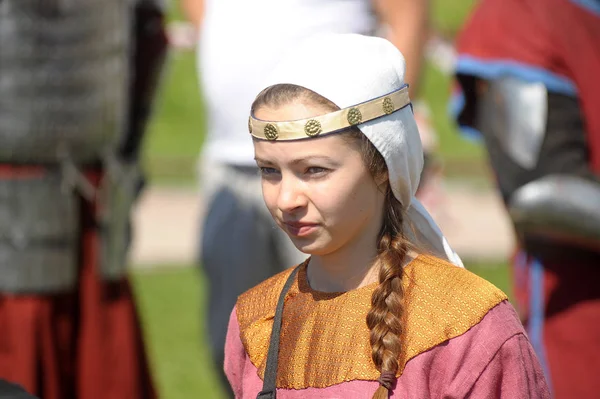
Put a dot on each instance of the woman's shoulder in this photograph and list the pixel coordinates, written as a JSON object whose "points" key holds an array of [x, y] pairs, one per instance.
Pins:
{"points": [[435, 286], [428, 275], [442, 302], [260, 301], [494, 355]]}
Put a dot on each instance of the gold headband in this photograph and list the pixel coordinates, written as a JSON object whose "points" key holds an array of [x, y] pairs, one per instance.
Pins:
{"points": [[331, 122]]}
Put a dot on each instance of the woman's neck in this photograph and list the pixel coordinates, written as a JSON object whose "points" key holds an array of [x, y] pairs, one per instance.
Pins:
{"points": [[328, 275], [350, 267]]}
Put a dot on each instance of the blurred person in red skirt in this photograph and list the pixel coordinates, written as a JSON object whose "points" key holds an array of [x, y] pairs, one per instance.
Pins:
{"points": [[528, 71], [76, 83]]}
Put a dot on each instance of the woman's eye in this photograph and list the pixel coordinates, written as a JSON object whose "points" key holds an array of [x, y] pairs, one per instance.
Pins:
{"points": [[316, 170], [267, 171]]}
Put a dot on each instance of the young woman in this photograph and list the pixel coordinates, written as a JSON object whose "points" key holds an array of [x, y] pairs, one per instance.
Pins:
{"points": [[381, 308]]}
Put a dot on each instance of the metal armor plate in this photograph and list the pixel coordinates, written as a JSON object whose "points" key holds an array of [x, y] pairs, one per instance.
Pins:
{"points": [[565, 207], [63, 78], [39, 235], [518, 112]]}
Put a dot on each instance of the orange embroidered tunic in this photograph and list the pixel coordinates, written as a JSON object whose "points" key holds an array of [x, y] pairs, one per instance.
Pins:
{"points": [[324, 336]]}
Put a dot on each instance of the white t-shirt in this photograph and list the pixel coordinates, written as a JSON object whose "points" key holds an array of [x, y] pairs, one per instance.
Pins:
{"points": [[241, 41]]}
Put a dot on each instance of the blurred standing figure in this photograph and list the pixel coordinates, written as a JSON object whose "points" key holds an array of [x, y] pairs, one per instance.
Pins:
{"points": [[528, 71], [76, 83], [240, 41]]}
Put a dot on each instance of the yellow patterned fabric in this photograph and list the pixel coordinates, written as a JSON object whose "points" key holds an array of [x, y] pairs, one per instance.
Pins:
{"points": [[324, 336]]}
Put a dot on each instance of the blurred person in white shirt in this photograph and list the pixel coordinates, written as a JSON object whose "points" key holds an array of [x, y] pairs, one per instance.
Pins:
{"points": [[239, 42]]}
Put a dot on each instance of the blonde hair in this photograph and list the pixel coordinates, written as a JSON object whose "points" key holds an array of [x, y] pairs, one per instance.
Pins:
{"points": [[385, 318]]}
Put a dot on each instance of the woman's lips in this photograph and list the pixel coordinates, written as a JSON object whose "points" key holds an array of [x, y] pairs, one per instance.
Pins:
{"points": [[300, 229]]}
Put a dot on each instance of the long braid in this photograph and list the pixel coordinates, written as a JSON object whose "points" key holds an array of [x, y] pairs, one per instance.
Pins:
{"points": [[385, 317], [387, 302]]}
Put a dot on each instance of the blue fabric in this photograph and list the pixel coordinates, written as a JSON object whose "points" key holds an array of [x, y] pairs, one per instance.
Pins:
{"points": [[592, 6], [456, 106], [493, 69], [536, 315]]}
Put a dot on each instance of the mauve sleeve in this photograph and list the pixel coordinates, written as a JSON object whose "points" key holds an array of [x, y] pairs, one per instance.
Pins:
{"points": [[235, 356], [513, 372]]}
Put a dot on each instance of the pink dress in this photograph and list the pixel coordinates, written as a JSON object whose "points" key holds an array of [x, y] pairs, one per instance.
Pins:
{"points": [[492, 359]]}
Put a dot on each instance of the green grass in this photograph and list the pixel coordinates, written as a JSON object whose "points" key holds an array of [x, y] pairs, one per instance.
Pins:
{"points": [[497, 273], [175, 12], [177, 127], [171, 302], [449, 15], [462, 157]]}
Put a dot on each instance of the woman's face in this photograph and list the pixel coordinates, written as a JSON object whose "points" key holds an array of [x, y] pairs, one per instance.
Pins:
{"points": [[319, 191]]}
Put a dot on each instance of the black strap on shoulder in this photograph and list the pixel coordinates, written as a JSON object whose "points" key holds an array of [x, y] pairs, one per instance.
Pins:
{"points": [[270, 381]]}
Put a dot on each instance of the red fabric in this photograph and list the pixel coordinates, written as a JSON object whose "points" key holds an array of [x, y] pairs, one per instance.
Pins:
{"points": [[555, 35], [563, 38], [86, 344], [571, 326]]}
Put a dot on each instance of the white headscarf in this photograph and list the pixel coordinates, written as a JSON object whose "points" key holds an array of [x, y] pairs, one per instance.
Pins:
{"points": [[349, 69]]}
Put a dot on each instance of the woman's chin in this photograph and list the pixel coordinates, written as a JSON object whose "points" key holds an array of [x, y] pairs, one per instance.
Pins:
{"points": [[311, 247]]}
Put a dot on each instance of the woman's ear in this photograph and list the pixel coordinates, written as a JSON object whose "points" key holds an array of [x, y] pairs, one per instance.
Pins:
{"points": [[382, 180]]}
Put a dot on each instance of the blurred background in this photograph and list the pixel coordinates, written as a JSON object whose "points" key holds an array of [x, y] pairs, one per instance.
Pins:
{"points": [[171, 297]]}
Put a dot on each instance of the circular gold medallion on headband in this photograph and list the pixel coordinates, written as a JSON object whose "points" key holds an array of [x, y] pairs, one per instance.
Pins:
{"points": [[312, 128], [250, 124], [388, 105], [271, 132], [354, 116]]}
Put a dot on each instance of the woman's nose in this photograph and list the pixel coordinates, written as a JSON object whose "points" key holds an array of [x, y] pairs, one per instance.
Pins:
{"points": [[291, 194]]}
